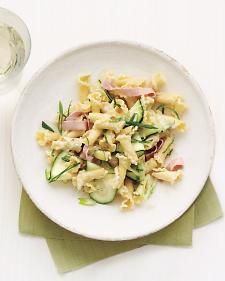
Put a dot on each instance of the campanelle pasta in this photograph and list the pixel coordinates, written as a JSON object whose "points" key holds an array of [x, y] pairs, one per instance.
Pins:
{"points": [[117, 141]]}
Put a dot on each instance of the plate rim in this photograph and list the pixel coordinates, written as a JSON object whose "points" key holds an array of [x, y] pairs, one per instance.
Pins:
{"points": [[136, 45]]}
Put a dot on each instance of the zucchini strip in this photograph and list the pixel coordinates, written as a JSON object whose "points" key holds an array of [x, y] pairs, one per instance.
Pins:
{"points": [[136, 113], [86, 201], [64, 171], [162, 107]]}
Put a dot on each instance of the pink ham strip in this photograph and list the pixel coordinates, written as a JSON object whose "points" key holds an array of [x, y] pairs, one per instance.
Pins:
{"points": [[75, 116], [75, 122], [150, 153], [128, 92], [175, 164], [84, 154], [73, 125]]}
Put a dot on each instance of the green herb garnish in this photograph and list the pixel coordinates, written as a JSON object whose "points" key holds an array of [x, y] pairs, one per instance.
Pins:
{"points": [[168, 147], [66, 158], [115, 103], [53, 153], [170, 152], [110, 97], [46, 126], [68, 109], [61, 117], [140, 125]]}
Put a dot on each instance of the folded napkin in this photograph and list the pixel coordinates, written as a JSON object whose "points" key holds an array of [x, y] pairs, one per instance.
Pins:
{"points": [[71, 251]]}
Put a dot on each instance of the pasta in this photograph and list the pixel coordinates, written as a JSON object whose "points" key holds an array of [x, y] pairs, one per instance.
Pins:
{"points": [[166, 148], [84, 87], [109, 125], [172, 100], [120, 171], [126, 193], [65, 143], [92, 135], [117, 140], [158, 81], [165, 175]]}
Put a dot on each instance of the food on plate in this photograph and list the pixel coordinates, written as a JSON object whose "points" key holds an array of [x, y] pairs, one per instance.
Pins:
{"points": [[117, 141]]}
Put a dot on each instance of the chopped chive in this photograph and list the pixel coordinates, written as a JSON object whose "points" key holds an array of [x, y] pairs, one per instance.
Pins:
{"points": [[68, 109], [169, 145], [140, 125], [60, 118], [46, 126], [60, 108], [115, 103], [109, 96], [66, 158], [53, 153], [170, 152]]}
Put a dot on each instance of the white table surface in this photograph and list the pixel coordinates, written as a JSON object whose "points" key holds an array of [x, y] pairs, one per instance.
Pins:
{"points": [[193, 32]]}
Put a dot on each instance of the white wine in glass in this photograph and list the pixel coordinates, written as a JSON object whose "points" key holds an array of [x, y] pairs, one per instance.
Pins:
{"points": [[12, 50], [15, 45]]}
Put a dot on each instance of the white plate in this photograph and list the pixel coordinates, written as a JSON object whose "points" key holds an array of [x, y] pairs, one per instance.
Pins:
{"points": [[55, 82]]}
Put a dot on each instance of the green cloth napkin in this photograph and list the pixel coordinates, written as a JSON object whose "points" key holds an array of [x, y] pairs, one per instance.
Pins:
{"points": [[71, 251]]}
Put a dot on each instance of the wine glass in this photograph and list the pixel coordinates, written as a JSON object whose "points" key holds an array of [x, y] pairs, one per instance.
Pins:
{"points": [[15, 46]]}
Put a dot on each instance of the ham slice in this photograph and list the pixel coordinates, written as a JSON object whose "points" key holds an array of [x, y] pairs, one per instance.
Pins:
{"points": [[73, 125], [128, 91], [175, 164], [75, 122], [84, 154], [150, 153], [75, 116]]}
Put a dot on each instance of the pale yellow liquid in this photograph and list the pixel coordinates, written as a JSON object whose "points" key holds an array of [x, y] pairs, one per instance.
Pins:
{"points": [[12, 51]]}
